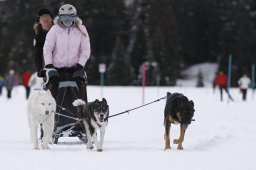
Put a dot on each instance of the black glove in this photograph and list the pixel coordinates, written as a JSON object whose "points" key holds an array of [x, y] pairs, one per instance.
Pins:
{"points": [[80, 76], [48, 66], [51, 75], [40, 73], [77, 67]]}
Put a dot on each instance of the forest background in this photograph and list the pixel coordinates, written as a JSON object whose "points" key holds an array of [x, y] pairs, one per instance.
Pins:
{"points": [[166, 35]]}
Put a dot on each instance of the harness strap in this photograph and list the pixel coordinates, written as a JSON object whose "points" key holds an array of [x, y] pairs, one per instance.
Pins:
{"points": [[127, 111]]}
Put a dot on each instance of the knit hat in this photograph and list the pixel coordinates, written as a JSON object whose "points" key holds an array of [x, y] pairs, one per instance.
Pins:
{"points": [[42, 12]]}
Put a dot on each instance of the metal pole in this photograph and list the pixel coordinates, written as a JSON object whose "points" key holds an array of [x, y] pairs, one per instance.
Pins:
{"points": [[143, 79], [158, 78], [253, 79], [101, 84], [229, 73]]}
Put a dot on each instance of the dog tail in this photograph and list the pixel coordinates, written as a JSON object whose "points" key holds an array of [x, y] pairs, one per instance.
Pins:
{"points": [[168, 95], [78, 102]]}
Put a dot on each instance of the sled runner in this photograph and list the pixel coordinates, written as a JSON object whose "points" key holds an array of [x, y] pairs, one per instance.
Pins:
{"points": [[68, 91]]}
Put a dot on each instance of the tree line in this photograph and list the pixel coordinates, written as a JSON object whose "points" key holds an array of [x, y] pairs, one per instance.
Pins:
{"points": [[166, 35]]}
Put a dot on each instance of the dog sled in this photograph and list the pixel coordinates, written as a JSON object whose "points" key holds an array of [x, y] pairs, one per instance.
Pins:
{"points": [[67, 122]]}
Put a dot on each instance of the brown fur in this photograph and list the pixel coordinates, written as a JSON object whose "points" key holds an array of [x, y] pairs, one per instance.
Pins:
{"points": [[179, 141], [178, 110]]}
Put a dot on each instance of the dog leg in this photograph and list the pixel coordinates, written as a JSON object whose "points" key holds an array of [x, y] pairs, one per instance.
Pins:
{"points": [[167, 125], [96, 141], [88, 134], [181, 138], [48, 130], [34, 135], [102, 134]]}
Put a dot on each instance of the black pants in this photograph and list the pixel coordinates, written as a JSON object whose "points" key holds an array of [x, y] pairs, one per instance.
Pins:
{"points": [[244, 92], [9, 93], [221, 93]]}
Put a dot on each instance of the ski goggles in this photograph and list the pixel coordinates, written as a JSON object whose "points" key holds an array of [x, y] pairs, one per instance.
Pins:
{"points": [[67, 18]]}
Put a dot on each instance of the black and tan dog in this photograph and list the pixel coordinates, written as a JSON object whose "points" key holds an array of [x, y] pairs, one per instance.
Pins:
{"points": [[178, 110], [94, 117]]}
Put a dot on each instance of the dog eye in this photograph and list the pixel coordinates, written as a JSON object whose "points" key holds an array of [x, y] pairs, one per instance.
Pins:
{"points": [[49, 103], [42, 104]]}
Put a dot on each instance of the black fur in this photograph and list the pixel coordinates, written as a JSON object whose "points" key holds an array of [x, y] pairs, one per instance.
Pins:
{"points": [[87, 111], [177, 102]]}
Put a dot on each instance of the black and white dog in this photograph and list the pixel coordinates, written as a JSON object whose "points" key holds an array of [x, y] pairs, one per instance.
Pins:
{"points": [[94, 116]]}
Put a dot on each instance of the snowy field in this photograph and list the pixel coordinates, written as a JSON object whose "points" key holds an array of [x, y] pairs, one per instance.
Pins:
{"points": [[223, 137]]}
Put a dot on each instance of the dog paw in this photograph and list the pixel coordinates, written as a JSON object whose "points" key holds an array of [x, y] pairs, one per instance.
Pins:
{"points": [[167, 147], [176, 141], [89, 147], [36, 148], [45, 147], [180, 147], [99, 150]]}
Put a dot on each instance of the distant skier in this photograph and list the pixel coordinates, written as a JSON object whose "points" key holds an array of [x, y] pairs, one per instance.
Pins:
{"points": [[244, 83], [221, 80], [25, 79], [9, 83]]}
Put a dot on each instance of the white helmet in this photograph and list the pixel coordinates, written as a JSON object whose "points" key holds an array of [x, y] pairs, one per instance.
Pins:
{"points": [[67, 9]]}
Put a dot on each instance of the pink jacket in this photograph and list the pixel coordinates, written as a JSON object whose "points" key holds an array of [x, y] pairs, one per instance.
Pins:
{"points": [[65, 47]]}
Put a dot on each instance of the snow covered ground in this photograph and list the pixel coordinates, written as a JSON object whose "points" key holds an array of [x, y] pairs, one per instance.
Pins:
{"points": [[223, 137]]}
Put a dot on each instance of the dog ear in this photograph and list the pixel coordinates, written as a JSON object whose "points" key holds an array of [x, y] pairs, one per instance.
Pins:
{"points": [[104, 100], [96, 101], [191, 103], [168, 94]]}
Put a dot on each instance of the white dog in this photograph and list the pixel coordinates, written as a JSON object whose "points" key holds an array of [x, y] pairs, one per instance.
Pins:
{"points": [[41, 109]]}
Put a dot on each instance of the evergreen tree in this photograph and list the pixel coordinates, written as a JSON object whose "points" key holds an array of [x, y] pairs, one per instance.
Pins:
{"points": [[104, 21], [120, 71], [163, 40]]}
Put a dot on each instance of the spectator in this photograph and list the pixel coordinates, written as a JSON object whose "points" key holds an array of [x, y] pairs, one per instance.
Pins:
{"points": [[244, 83], [221, 80], [9, 83], [25, 79], [44, 22]]}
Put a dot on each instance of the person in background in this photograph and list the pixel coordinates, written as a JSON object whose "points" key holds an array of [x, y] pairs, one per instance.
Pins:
{"points": [[221, 80], [9, 83], [44, 22], [25, 79], [67, 49], [35, 82], [1, 84], [244, 83]]}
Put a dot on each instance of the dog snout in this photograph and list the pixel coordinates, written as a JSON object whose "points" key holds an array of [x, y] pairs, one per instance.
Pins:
{"points": [[101, 115], [47, 112]]}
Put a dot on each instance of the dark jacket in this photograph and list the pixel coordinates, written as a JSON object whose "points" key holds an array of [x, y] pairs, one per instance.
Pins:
{"points": [[38, 49]]}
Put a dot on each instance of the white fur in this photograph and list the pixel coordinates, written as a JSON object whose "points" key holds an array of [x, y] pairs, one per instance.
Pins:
{"points": [[101, 128], [78, 102], [39, 103]]}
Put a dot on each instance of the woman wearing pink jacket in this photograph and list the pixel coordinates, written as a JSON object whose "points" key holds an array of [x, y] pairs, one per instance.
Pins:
{"points": [[66, 49]]}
